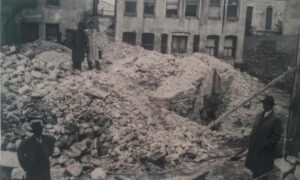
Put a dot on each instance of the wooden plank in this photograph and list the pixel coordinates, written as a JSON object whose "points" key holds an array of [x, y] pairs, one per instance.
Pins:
{"points": [[225, 115]]}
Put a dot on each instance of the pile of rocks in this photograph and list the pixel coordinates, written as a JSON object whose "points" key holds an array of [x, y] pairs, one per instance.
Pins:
{"points": [[107, 121]]}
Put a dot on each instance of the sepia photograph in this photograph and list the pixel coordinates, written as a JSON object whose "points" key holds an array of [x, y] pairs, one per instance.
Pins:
{"points": [[150, 90]]}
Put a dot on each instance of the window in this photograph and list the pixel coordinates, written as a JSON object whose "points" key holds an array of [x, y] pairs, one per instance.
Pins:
{"points": [[212, 45], [130, 8], [52, 32], [191, 8], [149, 8], [179, 44], [129, 37], [148, 41], [52, 2], [232, 9], [29, 32], [164, 43], [230, 46], [196, 43], [172, 8], [269, 18], [214, 9]]}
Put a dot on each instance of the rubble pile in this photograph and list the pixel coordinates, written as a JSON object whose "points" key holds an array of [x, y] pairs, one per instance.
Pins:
{"points": [[116, 120]]}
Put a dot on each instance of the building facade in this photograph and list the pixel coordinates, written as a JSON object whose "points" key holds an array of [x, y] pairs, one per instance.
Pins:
{"points": [[265, 17], [183, 26], [292, 17]]}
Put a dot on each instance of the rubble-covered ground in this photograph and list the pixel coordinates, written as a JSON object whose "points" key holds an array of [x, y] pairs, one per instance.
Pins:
{"points": [[128, 118]]}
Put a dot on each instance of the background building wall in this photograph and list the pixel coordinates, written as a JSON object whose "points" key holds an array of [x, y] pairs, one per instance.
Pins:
{"points": [[292, 18], [201, 25], [260, 9]]}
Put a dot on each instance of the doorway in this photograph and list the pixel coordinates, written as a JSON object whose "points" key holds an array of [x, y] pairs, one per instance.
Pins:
{"points": [[29, 32]]}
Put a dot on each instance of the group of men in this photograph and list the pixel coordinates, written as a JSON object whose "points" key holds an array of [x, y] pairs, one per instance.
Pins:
{"points": [[85, 41]]}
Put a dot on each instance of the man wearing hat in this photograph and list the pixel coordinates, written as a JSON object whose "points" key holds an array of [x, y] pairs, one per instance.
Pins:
{"points": [[263, 140], [34, 152]]}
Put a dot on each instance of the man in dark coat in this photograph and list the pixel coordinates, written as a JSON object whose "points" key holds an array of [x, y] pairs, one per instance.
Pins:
{"points": [[79, 45], [263, 140], [34, 152]]}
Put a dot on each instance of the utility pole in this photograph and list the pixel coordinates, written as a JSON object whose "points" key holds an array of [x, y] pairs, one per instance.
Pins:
{"points": [[294, 121]]}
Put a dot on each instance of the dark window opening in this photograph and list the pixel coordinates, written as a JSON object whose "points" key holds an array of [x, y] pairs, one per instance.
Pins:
{"points": [[212, 45], [130, 7], [196, 43], [52, 32], [52, 2], [249, 15], [129, 37], [214, 9], [269, 18], [232, 10], [148, 41], [230, 46], [29, 32], [172, 8], [164, 43], [191, 8], [179, 44], [149, 8]]}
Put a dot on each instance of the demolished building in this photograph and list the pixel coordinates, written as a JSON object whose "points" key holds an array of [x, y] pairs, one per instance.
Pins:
{"points": [[27, 21]]}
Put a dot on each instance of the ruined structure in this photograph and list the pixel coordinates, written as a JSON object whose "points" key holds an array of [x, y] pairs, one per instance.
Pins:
{"points": [[175, 26], [46, 19]]}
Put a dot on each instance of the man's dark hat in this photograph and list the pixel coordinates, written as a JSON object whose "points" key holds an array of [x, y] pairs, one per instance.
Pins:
{"points": [[269, 100], [36, 125]]}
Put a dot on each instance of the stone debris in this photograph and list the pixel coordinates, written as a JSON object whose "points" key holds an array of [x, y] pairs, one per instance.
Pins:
{"points": [[98, 174], [138, 112]]}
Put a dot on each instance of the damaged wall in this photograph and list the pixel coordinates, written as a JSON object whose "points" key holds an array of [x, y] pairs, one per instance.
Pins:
{"points": [[183, 26], [64, 15]]}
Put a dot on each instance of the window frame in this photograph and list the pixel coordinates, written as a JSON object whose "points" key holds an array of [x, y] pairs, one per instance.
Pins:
{"points": [[237, 6], [233, 48], [180, 51], [48, 34], [178, 7], [267, 28], [196, 47], [164, 46], [154, 9], [215, 47], [133, 44], [217, 6], [130, 14], [146, 45], [187, 3]]}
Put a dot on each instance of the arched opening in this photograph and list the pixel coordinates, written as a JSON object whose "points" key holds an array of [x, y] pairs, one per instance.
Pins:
{"points": [[269, 18]]}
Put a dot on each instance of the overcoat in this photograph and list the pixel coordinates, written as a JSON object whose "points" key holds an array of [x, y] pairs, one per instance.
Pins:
{"points": [[34, 157], [262, 143], [79, 44]]}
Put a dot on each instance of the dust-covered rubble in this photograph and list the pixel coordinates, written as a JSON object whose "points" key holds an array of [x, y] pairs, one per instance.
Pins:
{"points": [[117, 120]]}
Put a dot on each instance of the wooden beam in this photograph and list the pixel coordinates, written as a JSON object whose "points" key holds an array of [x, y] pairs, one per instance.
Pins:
{"points": [[225, 115]]}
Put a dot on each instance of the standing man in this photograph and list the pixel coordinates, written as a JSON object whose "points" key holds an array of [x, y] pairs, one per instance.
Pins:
{"points": [[263, 140], [34, 152], [79, 43], [92, 47]]}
